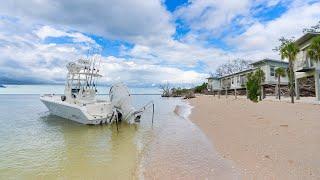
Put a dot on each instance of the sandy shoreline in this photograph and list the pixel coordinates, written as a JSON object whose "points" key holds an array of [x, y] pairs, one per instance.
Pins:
{"points": [[265, 140], [180, 150]]}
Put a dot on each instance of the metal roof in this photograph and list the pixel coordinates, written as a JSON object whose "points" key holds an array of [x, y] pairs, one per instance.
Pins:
{"points": [[306, 37], [244, 71], [269, 60], [251, 69], [212, 78]]}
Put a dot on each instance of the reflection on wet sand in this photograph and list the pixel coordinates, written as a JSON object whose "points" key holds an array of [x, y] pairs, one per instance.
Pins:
{"points": [[92, 151], [39, 145]]}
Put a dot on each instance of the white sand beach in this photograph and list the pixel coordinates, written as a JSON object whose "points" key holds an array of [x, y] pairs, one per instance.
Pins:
{"points": [[265, 140]]}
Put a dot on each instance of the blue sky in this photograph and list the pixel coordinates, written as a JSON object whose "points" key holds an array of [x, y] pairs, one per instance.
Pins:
{"points": [[143, 43]]}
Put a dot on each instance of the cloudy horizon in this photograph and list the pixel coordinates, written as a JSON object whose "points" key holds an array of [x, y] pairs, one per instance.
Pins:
{"points": [[143, 43]]}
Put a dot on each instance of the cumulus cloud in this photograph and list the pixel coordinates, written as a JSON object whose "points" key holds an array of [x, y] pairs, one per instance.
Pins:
{"points": [[26, 58], [260, 38], [47, 31], [211, 15], [119, 69], [135, 20], [157, 52]]}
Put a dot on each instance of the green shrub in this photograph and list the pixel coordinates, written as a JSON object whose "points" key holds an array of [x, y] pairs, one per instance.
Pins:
{"points": [[254, 81], [201, 88], [252, 87]]}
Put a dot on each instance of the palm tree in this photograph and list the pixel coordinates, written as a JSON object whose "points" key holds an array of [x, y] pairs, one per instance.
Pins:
{"points": [[290, 50], [314, 49], [280, 72]]}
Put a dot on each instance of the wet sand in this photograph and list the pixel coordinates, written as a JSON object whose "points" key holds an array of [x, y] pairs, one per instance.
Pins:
{"points": [[265, 140], [179, 150]]}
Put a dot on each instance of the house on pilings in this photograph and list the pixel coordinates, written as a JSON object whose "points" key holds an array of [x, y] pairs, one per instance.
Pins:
{"points": [[306, 70], [235, 84]]}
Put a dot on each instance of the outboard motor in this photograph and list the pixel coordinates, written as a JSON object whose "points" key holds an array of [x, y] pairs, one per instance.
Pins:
{"points": [[121, 100]]}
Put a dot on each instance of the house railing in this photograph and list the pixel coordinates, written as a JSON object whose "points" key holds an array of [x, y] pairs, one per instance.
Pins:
{"points": [[226, 83], [302, 64]]}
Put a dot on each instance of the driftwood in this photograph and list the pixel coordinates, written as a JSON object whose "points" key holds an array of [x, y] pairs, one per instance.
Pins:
{"points": [[189, 95]]}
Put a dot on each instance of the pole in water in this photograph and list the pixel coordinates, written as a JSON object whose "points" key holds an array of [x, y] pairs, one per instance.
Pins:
{"points": [[117, 122], [152, 112], [111, 117]]}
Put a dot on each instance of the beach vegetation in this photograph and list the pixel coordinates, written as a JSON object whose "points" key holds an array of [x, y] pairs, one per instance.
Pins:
{"points": [[201, 88], [254, 84], [165, 90], [280, 72], [289, 50], [177, 92], [314, 49], [260, 75]]}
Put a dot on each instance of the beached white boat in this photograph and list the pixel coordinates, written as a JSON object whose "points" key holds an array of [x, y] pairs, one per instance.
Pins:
{"points": [[79, 103]]}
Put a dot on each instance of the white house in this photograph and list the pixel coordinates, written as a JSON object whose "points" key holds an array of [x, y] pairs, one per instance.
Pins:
{"points": [[236, 82], [306, 69], [213, 84]]}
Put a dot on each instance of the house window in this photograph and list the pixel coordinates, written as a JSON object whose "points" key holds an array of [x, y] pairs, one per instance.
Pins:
{"points": [[271, 70], [232, 80]]}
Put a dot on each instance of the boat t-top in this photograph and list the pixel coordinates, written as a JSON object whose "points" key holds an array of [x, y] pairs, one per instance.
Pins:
{"points": [[79, 103]]}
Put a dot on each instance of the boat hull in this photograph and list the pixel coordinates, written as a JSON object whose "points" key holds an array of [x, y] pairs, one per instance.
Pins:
{"points": [[73, 112]]}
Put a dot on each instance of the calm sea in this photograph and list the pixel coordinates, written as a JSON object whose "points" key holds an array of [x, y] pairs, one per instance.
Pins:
{"points": [[36, 144]]}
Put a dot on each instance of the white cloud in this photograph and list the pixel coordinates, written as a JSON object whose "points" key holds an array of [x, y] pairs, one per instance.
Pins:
{"points": [[212, 15], [146, 24], [47, 31], [155, 56], [118, 69], [23, 56], [26, 57], [135, 20], [260, 38]]}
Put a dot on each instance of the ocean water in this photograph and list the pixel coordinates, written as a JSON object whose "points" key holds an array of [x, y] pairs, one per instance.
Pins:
{"points": [[36, 144], [59, 89]]}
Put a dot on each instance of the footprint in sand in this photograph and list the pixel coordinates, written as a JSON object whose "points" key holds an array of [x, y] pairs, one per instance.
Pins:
{"points": [[290, 161], [284, 125]]}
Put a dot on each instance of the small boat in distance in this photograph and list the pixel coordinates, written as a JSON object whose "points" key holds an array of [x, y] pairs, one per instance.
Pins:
{"points": [[79, 103]]}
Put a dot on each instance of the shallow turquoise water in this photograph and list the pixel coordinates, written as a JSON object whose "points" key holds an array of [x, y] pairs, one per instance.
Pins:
{"points": [[35, 144]]}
